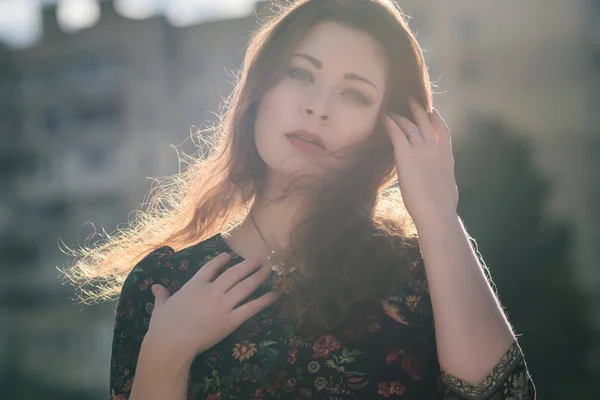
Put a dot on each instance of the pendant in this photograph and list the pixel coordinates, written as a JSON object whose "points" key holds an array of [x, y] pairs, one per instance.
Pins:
{"points": [[286, 275]]}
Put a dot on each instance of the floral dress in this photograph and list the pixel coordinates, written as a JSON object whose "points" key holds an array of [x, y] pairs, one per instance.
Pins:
{"points": [[395, 358]]}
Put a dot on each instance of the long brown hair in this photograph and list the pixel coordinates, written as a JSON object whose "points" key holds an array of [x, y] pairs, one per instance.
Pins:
{"points": [[357, 238]]}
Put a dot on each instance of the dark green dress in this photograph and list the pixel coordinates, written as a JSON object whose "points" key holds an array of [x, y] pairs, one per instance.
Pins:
{"points": [[394, 358]]}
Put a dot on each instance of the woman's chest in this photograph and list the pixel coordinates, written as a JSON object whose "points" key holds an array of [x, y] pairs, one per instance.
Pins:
{"points": [[265, 358]]}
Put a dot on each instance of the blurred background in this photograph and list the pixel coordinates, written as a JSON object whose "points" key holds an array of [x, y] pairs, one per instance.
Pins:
{"points": [[94, 95]]}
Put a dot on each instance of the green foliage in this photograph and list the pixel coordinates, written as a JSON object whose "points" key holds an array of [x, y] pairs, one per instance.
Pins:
{"points": [[502, 202]]}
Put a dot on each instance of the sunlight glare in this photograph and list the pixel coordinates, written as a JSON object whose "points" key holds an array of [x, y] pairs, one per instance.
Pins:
{"points": [[20, 22], [137, 9], [75, 15], [188, 12]]}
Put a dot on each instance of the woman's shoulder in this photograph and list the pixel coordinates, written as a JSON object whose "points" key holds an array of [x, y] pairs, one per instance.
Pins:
{"points": [[171, 268], [411, 301], [412, 289], [148, 268]]}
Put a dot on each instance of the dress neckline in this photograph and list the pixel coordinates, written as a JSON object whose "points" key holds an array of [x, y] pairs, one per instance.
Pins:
{"points": [[225, 247]]}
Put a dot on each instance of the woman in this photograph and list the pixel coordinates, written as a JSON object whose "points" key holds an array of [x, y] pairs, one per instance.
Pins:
{"points": [[285, 263]]}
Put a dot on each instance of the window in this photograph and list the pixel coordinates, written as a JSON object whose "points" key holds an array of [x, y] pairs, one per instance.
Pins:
{"points": [[95, 158], [108, 111], [89, 69]]}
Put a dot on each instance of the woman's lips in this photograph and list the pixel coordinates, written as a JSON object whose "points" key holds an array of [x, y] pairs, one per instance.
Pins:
{"points": [[304, 146], [312, 136]]}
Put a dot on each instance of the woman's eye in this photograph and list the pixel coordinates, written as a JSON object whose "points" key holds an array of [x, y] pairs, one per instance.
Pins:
{"points": [[358, 97], [299, 73], [304, 75]]}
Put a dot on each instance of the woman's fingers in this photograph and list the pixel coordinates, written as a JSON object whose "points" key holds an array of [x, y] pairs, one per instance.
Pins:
{"points": [[442, 130], [236, 284], [408, 129], [253, 307], [397, 136], [236, 274], [161, 295], [206, 304], [224, 281], [403, 131], [246, 287], [422, 119], [209, 271]]}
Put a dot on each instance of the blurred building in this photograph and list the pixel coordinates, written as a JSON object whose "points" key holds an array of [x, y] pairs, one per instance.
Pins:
{"points": [[535, 64], [100, 108], [12, 163]]}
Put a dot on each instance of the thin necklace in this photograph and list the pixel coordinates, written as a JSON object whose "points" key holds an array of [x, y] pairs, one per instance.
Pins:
{"points": [[287, 273]]}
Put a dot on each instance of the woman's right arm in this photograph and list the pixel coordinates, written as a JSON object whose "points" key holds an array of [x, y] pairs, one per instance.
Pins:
{"points": [[132, 317], [160, 375], [156, 335]]}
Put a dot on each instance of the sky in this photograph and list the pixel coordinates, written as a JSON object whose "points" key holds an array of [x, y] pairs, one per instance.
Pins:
{"points": [[20, 20]]}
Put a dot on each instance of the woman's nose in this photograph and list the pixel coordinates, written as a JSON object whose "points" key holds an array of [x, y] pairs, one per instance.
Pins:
{"points": [[319, 107], [323, 116]]}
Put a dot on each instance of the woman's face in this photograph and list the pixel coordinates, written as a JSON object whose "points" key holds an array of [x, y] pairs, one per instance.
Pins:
{"points": [[333, 87]]}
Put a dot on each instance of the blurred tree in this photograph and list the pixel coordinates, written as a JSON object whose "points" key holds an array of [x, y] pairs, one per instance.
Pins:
{"points": [[502, 203]]}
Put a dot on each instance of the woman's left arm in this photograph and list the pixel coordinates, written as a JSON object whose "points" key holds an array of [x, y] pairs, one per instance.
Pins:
{"points": [[472, 333], [478, 353]]}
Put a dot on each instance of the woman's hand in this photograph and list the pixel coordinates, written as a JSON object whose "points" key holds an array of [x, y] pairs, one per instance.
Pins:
{"points": [[202, 312], [424, 162]]}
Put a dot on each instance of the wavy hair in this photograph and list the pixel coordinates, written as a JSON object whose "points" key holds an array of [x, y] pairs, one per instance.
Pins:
{"points": [[357, 239]]}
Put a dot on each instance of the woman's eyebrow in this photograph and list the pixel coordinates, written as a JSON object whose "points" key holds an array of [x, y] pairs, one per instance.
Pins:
{"points": [[348, 75]]}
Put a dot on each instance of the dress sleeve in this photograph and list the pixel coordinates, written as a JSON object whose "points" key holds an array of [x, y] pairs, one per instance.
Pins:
{"points": [[132, 318], [508, 380]]}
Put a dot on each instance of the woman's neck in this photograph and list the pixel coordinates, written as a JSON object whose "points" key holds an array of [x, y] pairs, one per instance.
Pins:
{"points": [[275, 220]]}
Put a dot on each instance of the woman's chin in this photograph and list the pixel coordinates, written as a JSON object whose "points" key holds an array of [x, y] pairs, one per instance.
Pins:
{"points": [[301, 175]]}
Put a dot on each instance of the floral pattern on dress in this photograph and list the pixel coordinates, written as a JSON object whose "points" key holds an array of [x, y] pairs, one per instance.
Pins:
{"points": [[395, 358]]}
